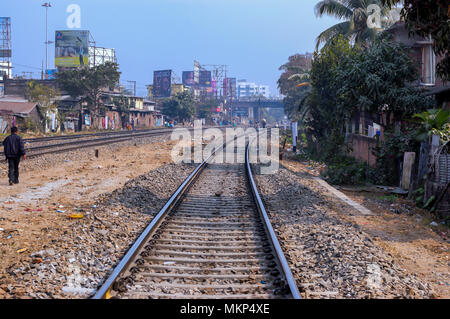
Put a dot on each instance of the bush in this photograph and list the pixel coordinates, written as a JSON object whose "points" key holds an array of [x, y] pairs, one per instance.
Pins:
{"points": [[346, 172], [331, 150], [30, 125], [390, 154]]}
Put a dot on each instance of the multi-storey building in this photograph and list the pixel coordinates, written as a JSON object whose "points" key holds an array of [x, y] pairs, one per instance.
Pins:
{"points": [[421, 50], [247, 90]]}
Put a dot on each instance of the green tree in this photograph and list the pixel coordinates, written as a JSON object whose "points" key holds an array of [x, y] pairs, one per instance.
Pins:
{"points": [[180, 107], [354, 27], [122, 103], [45, 97], [433, 122], [295, 72], [88, 84], [377, 80], [429, 18], [326, 118]]}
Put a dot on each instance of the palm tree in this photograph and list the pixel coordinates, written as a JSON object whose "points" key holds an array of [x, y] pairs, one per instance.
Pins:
{"points": [[355, 13]]}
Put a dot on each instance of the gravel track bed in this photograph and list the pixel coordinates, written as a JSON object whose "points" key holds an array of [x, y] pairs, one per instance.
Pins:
{"points": [[210, 258], [329, 257], [82, 258]]}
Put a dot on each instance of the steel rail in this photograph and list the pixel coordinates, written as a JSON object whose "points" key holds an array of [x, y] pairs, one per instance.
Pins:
{"points": [[269, 229], [109, 138], [79, 146], [89, 143], [78, 136], [104, 291], [116, 138]]}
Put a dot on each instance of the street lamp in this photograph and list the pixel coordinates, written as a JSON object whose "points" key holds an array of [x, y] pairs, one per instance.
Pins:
{"points": [[46, 5]]}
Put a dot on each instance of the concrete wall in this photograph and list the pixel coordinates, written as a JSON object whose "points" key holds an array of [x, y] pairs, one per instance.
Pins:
{"points": [[362, 148], [143, 119]]}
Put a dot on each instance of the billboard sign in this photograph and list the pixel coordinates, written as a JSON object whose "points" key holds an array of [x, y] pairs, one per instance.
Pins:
{"points": [[205, 78], [50, 74], [162, 82], [71, 48], [188, 78]]}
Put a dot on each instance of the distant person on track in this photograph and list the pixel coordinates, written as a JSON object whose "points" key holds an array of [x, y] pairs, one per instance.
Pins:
{"points": [[14, 149]]}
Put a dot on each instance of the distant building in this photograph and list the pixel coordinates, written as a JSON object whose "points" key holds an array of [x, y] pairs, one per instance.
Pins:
{"points": [[421, 50], [363, 127], [247, 90], [5, 70], [179, 88], [16, 111]]}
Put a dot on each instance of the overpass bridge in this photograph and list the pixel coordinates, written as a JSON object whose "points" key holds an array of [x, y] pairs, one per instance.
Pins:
{"points": [[251, 108]]}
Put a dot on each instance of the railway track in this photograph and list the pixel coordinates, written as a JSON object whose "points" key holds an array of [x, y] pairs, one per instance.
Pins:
{"points": [[212, 239], [86, 135], [77, 143]]}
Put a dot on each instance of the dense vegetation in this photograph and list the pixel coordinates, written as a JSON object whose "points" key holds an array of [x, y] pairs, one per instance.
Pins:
{"points": [[88, 83], [180, 107], [345, 80]]}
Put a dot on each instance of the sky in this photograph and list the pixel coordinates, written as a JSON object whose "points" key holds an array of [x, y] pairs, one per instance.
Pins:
{"points": [[253, 37]]}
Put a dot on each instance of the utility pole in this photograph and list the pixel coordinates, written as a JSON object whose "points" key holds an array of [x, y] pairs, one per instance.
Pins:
{"points": [[46, 5]]}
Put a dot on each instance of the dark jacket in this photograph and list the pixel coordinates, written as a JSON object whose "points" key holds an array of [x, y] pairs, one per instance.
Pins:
{"points": [[13, 146]]}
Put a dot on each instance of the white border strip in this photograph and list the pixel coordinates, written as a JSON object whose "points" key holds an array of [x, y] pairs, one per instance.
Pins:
{"points": [[344, 197]]}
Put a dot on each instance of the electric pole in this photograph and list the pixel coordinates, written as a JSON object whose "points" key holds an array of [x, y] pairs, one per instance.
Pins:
{"points": [[46, 5]]}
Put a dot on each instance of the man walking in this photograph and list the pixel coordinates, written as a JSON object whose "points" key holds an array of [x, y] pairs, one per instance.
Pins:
{"points": [[14, 149]]}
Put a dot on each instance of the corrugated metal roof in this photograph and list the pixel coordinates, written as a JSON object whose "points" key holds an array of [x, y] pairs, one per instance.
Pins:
{"points": [[17, 106]]}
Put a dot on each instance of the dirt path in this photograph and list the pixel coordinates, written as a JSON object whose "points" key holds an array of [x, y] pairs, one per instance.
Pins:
{"points": [[29, 217], [406, 236]]}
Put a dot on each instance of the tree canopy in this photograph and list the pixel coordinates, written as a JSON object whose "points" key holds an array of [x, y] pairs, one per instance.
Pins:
{"points": [[44, 96], [346, 79], [180, 107], [377, 80], [296, 71], [325, 115], [355, 14], [429, 18], [89, 83]]}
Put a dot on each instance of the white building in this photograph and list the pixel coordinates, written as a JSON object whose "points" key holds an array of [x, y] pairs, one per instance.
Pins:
{"points": [[5, 69], [247, 90]]}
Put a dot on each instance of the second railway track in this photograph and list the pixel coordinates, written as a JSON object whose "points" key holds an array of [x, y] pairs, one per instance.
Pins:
{"points": [[211, 240], [86, 140]]}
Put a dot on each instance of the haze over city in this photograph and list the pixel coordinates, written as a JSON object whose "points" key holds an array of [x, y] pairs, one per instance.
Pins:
{"points": [[252, 37]]}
